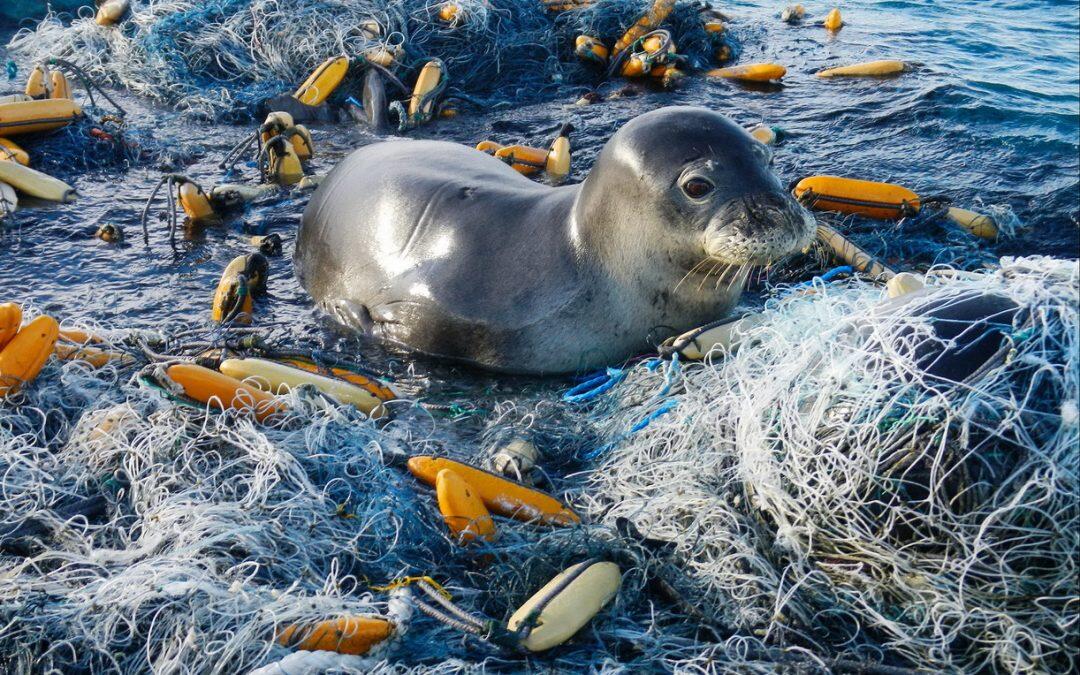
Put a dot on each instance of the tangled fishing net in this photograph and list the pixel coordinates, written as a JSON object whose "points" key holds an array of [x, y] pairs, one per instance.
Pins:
{"points": [[819, 488], [221, 58], [138, 534], [814, 500]]}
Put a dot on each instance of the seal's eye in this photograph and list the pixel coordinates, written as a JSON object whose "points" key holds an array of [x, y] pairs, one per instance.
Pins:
{"points": [[696, 188]]}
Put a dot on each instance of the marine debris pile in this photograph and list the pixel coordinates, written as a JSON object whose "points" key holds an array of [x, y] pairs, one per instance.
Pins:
{"points": [[876, 472], [221, 59], [823, 485], [842, 485]]}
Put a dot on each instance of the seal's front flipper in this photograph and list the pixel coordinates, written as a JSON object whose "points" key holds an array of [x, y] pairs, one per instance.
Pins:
{"points": [[351, 315]]}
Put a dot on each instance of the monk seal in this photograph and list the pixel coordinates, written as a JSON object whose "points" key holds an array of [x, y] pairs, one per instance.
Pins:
{"points": [[450, 252]]}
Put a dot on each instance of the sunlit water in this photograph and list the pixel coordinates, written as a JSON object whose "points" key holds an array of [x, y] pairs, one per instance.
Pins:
{"points": [[989, 118]]}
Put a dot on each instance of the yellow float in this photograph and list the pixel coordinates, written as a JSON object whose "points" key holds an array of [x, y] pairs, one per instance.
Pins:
{"points": [[648, 22], [280, 163], [194, 201], [323, 81], [10, 152], [37, 85], [462, 509], [450, 12], [751, 72], [833, 21], [354, 635], [591, 49], [422, 102], [30, 117], [883, 201], [10, 322], [221, 391], [97, 358], [23, 357]]}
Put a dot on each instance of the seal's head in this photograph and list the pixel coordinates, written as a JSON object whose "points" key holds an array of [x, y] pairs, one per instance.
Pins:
{"points": [[693, 185]]}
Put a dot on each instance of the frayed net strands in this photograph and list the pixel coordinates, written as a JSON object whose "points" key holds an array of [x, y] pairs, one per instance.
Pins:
{"points": [[813, 502], [818, 489], [160, 537], [219, 59]]}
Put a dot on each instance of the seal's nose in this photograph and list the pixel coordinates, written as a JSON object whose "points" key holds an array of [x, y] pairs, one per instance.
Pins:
{"points": [[762, 213]]}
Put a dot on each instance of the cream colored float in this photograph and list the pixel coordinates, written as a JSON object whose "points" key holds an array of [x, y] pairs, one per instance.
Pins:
{"points": [[515, 459], [111, 11], [557, 163], [976, 223], [868, 69], [568, 602], [850, 253], [728, 336], [35, 184], [231, 195], [903, 283], [9, 200], [278, 378], [764, 134]]}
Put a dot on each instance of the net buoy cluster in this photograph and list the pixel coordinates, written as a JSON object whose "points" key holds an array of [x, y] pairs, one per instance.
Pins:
{"points": [[553, 162]]}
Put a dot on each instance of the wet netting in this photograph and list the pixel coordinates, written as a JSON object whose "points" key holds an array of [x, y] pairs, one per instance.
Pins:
{"points": [[827, 498], [221, 58], [826, 486]]}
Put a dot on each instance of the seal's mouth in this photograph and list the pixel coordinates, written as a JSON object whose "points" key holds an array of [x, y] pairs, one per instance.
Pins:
{"points": [[758, 229]]}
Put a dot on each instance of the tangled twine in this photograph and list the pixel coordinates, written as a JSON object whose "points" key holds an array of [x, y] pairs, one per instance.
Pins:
{"points": [[220, 59], [819, 489]]}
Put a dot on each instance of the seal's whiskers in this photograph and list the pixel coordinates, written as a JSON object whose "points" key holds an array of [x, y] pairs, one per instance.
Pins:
{"points": [[693, 269]]}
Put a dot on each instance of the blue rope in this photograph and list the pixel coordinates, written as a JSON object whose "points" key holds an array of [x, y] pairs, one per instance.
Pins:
{"points": [[601, 383], [664, 409], [828, 276], [591, 388]]}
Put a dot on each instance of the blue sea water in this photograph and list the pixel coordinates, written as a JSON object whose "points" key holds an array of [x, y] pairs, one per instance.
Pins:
{"points": [[990, 117]]}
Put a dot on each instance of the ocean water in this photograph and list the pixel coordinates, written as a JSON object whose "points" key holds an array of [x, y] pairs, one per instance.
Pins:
{"points": [[989, 116]]}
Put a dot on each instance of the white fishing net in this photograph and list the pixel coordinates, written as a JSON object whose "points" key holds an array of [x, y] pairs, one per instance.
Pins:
{"points": [[814, 502], [818, 488]]}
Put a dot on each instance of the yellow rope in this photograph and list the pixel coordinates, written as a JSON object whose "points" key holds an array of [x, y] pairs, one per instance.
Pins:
{"points": [[406, 581]]}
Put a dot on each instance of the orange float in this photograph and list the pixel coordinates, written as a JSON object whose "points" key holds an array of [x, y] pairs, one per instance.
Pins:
{"points": [[501, 496]]}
